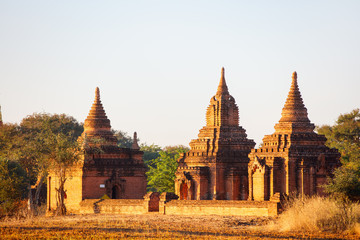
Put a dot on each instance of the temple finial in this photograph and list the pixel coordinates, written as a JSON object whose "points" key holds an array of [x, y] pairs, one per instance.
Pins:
{"points": [[97, 93], [135, 144], [294, 76], [222, 88]]}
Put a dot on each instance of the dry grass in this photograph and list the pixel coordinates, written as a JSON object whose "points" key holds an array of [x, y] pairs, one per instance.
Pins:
{"points": [[149, 226], [319, 214]]}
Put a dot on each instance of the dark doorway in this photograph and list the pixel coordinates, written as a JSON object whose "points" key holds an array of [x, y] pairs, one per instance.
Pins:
{"points": [[115, 192], [183, 191]]}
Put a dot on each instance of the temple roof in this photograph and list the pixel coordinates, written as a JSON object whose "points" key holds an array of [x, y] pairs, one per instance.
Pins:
{"points": [[222, 110], [97, 124], [222, 88], [294, 116], [294, 109]]}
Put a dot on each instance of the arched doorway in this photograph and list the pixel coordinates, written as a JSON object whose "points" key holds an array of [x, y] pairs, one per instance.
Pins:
{"points": [[183, 191], [115, 192]]}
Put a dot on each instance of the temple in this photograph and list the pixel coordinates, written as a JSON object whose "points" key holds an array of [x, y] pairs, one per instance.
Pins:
{"points": [[294, 159], [216, 166], [106, 169]]}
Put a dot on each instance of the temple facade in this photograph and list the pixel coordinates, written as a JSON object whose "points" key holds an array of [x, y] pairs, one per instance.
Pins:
{"points": [[294, 159], [105, 169], [216, 167]]}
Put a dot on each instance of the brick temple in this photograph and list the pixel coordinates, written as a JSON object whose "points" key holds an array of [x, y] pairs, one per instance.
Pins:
{"points": [[294, 159], [216, 167], [106, 169]]}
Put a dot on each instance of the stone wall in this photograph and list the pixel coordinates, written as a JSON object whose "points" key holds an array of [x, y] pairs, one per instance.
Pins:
{"points": [[222, 207], [165, 204], [114, 206]]}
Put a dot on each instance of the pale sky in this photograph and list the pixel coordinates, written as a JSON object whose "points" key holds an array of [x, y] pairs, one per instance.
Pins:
{"points": [[157, 63]]}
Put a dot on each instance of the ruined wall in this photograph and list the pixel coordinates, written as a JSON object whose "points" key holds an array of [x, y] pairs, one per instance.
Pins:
{"points": [[222, 207], [73, 187], [113, 206]]}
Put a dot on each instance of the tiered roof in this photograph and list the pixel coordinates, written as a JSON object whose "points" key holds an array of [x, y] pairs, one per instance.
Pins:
{"points": [[222, 132], [97, 125]]}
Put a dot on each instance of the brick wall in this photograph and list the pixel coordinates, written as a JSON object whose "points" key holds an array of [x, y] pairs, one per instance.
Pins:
{"points": [[222, 207], [113, 206]]}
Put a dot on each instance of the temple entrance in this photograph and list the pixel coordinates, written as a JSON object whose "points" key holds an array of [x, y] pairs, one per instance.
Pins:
{"points": [[183, 191], [258, 185], [116, 192]]}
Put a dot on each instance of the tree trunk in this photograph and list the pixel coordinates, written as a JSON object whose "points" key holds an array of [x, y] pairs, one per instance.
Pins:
{"points": [[38, 190], [61, 208], [30, 200]]}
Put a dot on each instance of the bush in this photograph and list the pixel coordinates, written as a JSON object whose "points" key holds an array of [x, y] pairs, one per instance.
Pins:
{"points": [[12, 187], [319, 214]]}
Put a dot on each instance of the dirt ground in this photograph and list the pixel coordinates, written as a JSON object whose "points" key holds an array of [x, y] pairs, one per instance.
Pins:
{"points": [[151, 226]]}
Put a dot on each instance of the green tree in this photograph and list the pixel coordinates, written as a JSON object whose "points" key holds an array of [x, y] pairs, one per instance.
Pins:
{"points": [[65, 152], [151, 152], [12, 186], [124, 140], [35, 145], [345, 136], [161, 174], [29, 144]]}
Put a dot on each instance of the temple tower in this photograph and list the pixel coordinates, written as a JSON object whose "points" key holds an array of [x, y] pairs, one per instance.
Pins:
{"points": [[216, 165], [106, 169], [294, 159]]}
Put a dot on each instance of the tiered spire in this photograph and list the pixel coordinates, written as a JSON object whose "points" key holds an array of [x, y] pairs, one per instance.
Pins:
{"points": [[222, 88], [294, 117], [97, 124], [222, 110], [135, 144], [294, 109]]}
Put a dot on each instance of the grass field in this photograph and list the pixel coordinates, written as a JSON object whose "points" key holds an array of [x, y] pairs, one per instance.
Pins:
{"points": [[151, 226]]}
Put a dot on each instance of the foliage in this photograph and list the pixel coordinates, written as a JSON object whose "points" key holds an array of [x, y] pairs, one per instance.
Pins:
{"points": [[151, 152], [345, 136], [31, 144], [8, 140], [124, 140], [161, 174], [12, 186], [65, 152]]}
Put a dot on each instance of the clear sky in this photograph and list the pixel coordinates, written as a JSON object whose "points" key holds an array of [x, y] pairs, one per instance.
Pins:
{"points": [[157, 63]]}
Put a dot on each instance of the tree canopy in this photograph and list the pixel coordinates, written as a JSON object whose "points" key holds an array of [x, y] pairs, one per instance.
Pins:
{"points": [[32, 145], [161, 174], [345, 136]]}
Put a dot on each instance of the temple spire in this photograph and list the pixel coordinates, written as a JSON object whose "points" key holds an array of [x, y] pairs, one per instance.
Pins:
{"points": [[135, 144], [294, 109], [97, 94], [97, 124], [222, 88]]}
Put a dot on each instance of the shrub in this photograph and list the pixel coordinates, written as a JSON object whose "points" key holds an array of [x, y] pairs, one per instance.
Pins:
{"points": [[318, 214], [12, 187]]}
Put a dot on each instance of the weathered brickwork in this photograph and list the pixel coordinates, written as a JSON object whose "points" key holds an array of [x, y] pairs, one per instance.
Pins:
{"points": [[294, 159], [222, 207], [216, 165], [105, 168]]}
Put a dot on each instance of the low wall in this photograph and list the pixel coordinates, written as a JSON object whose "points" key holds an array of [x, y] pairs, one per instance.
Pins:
{"points": [[221, 207], [114, 206]]}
